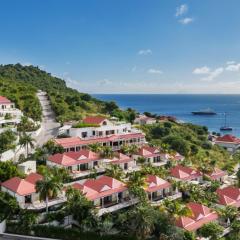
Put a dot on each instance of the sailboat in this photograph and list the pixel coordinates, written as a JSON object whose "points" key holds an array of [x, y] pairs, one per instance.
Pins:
{"points": [[225, 127]]}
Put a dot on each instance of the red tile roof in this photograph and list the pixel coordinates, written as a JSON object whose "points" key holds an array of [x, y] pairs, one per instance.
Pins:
{"points": [[228, 139], [200, 216], [147, 151], [120, 158], [216, 174], [76, 141], [229, 196], [74, 158], [184, 173], [155, 183], [101, 187], [88, 192], [33, 178], [4, 100], [94, 119], [22, 187]]}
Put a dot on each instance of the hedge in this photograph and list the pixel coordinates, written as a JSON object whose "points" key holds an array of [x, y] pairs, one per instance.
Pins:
{"points": [[65, 234]]}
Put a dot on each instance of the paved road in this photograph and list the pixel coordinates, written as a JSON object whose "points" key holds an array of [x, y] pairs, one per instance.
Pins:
{"points": [[49, 124]]}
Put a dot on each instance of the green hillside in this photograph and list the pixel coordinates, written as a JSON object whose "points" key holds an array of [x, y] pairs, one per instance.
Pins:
{"points": [[192, 142], [23, 95], [20, 84]]}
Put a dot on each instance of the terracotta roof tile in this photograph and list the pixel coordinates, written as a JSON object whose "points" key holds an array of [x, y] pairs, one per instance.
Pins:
{"points": [[4, 100], [94, 119], [184, 173], [155, 183]]}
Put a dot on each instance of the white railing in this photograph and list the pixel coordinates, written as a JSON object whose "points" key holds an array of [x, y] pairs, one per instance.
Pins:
{"points": [[41, 205], [118, 206]]}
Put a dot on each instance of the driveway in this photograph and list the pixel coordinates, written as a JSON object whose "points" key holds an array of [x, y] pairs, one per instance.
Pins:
{"points": [[49, 124]]}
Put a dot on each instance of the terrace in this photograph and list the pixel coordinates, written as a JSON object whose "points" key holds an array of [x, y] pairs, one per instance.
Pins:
{"points": [[38, 205], [118, 206]]}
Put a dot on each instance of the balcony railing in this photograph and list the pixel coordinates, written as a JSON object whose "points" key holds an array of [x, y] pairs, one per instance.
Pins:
{"points": [[37, 205], [168, 196], [120, 205]]}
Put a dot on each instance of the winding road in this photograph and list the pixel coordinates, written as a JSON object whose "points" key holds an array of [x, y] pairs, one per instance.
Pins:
{"points": [[49, 126]]}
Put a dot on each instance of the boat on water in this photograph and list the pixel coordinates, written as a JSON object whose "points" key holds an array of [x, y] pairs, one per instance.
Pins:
{"points": [[207, 111], [225, 127]]}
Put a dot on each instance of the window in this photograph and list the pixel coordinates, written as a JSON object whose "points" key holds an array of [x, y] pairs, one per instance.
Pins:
{"points": [[93, 133], [84, 134], [28, 199], [84, 167]]}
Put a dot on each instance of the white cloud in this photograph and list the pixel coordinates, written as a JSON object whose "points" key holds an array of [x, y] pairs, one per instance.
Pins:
{"points": [[230, 62], [145, 52], [213, 74], [154, 71], [181, 10], [186, 21], [105, 81], [233, 67], [201, 70]]}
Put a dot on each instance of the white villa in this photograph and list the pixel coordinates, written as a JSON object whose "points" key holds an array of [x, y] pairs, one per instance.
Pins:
{"points": [[96, 126], [79, 164], [151, 155], [229, 142], [9, 115], [23, 189], [125, 162], [104, 191], [143, 120], [99, 130]]}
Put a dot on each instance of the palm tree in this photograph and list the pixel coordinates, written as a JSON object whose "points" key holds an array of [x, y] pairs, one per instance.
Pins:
{"points": [[136, 184], [228, 213], [175, 209], [165, 147], [235, 230], [125, 149], [211, 231], [80, 207], [115, 171], [107, 152], [49, 187], [141, 160], [96, 147], [26, 141], [142, 221], [133, 149], [137, 179]]}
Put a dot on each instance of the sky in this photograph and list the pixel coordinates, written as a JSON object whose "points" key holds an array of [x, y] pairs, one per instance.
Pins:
{"points": [[127, 46]]}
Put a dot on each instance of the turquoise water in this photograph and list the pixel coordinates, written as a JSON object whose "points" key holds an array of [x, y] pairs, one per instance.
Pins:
{"points": [[181, 106]]}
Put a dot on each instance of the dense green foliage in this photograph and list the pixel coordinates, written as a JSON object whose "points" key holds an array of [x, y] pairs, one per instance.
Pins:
{"points": [[68, 103], [189, 140], [8, 170], [84, 125], [64, 233], [7, 141], [23, 95]]}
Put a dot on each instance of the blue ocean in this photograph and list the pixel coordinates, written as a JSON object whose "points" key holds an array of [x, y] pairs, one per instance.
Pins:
{"points": [[181, 106]]}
